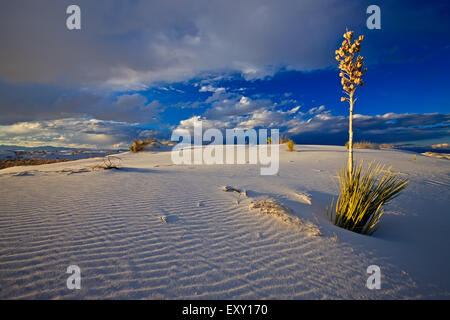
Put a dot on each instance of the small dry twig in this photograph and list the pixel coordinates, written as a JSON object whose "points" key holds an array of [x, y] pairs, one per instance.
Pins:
{"points": [[109, 162], [231, 189]]}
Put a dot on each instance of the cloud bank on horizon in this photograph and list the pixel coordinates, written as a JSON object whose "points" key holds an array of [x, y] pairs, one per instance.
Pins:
{"points": [[311, 127], [141, 67]]}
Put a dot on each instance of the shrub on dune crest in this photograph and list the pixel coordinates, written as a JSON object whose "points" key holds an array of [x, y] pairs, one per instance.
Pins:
{"points": [[359, 206], [284, 139], [363, 145], [139, 145], [290, 145]]}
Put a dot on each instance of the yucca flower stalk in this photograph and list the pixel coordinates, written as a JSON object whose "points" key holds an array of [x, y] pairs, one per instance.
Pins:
{"points": [[351, 66], [359, 205]]}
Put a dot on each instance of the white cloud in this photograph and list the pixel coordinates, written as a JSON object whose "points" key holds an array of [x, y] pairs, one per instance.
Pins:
{"points": [[210, 88], [71, 132], [294, 110], [21, 128], [244, 101], [321, 128]]}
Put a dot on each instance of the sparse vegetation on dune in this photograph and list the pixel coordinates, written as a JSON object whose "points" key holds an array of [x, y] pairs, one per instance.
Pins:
{"points": [[281, 140], [290, 145], [440, 146], [437, 155], [284, 139], [28, 162], [140, 145], [368, 145], [168, 143]]}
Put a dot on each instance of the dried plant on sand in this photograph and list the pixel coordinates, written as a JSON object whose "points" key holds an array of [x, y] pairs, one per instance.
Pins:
{"points": [[109, 162]]}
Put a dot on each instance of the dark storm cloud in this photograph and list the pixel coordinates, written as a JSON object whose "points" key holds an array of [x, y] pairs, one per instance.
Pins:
{"points": [[129, 44], [23, 102]]}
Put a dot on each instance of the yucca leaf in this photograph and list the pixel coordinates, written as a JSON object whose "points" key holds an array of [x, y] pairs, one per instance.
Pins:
{"points": [[362, 195]]}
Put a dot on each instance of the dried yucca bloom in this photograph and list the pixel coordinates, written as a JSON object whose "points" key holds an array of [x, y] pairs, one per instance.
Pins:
{"points": [[351, 72], [351, 66]]}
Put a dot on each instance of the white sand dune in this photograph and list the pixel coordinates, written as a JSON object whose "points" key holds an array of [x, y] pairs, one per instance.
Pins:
{"points": [[108, 222]]}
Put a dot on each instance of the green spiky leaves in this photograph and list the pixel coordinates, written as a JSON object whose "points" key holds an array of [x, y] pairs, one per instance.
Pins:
{"points": [[359, 206]]}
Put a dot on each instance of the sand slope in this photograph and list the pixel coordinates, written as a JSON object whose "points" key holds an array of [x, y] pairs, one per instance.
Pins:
{"points": [[213, 246]]}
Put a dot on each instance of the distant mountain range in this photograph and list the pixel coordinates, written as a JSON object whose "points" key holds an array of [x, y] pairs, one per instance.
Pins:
{"points": [[49, 148]]}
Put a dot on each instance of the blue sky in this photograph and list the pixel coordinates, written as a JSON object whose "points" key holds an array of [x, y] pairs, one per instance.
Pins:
{"points": [[145, 68]]}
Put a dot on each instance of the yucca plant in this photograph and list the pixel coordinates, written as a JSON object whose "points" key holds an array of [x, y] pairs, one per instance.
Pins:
{"points": [[359, 206], [362, 194], [351, 72]]}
